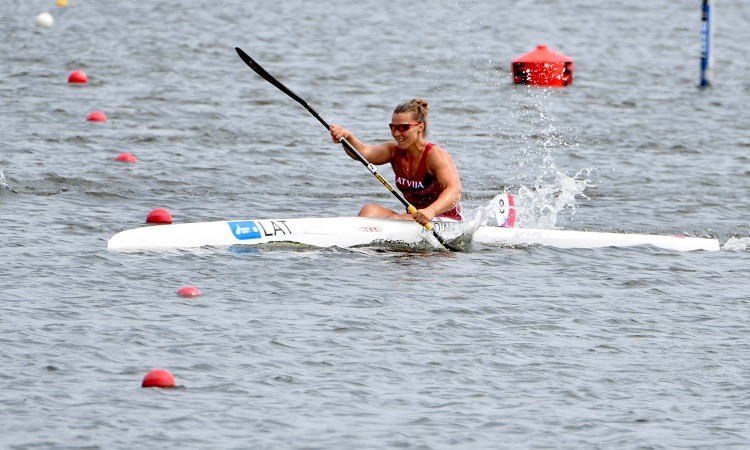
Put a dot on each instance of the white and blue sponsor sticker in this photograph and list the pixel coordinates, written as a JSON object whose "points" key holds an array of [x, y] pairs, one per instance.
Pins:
{"points": [[245, 229]]}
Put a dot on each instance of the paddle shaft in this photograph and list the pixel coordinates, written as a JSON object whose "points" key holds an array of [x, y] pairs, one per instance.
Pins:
{"points": [[349, 147]]}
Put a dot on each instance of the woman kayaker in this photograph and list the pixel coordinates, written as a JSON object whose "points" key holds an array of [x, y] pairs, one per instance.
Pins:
{"points": [[425, 173]]}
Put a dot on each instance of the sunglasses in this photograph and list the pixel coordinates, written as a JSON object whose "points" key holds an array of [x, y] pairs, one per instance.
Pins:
{"points": [[401, 127]]}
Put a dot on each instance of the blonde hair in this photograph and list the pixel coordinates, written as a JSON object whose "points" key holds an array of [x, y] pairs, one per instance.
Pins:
{"points": [[418, 108]]}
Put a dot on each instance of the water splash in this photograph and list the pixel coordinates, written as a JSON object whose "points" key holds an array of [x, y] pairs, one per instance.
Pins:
{"points": [[545, 191], [3, 183], [736, 244], [539, 206], [493, 214]]}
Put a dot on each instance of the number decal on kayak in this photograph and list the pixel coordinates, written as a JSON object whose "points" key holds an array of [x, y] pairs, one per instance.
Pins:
{"points": [[505, 210]]}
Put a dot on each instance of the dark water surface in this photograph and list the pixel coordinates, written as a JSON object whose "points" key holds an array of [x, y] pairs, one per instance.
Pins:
{"points": [[289, 348]]}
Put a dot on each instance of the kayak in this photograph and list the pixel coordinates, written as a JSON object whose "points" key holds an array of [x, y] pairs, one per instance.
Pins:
{"points": [[348, 232]]}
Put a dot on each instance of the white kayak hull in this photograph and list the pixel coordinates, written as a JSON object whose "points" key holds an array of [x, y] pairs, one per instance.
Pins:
{"points": [[363, 231]]}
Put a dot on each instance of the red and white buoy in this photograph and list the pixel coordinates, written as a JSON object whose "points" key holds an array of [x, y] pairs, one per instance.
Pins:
{"points": [[543, 67]]}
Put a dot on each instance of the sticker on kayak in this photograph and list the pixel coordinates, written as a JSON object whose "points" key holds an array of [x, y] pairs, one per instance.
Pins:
{"points": [[245, 229], [505, 210]]}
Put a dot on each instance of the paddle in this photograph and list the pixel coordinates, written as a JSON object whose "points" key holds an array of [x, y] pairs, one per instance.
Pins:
{"points": [[349, 147]]}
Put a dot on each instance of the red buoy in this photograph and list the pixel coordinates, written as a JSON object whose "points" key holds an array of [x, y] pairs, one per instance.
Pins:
{"points": [[125, 157], [96, 116], [543, 67], [77, 76], [188, 291], [159, 215], [158, 378]]}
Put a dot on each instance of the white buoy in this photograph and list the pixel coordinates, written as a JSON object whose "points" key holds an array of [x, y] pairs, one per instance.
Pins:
{"points": [[44, 19]]}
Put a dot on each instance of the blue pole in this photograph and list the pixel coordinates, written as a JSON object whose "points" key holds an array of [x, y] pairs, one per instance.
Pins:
{"points": [[707, 58]]}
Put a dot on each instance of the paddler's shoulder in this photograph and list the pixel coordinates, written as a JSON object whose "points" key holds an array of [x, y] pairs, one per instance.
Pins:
{"points": [[391, 146], [436, 152]]}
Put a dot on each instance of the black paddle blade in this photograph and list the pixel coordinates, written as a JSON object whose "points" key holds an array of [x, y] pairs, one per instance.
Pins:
{"points": [[262, 72], [442, 241]]}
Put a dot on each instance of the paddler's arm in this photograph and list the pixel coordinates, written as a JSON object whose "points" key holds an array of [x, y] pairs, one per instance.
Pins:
{"points": [[442, 166], [375, 154]]}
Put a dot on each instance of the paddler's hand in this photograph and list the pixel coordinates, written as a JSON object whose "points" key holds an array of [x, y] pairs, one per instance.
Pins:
{"points": [[423, 216], [338, 133]]}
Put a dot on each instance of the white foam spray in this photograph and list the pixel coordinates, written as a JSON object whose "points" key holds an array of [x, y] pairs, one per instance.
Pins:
{"points": [[736, 244], [543, 191], [538, 206]]}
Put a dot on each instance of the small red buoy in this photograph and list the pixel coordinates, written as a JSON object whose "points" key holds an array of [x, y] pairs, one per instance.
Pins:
{"points": [[97, 116], [158, 378], [125, 157], [188, 291], [543, 67], [159, 215], [77, 76]]}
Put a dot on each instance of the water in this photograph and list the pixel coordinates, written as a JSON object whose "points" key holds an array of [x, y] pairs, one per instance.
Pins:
{"points": [[331, 348]]}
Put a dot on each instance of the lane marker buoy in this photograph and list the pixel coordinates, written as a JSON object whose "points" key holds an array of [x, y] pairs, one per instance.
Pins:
{"points": [[77, 76], [160, 378], [125, 157], [96, 116], [159, 215], [188, 291], [44, 19]]}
